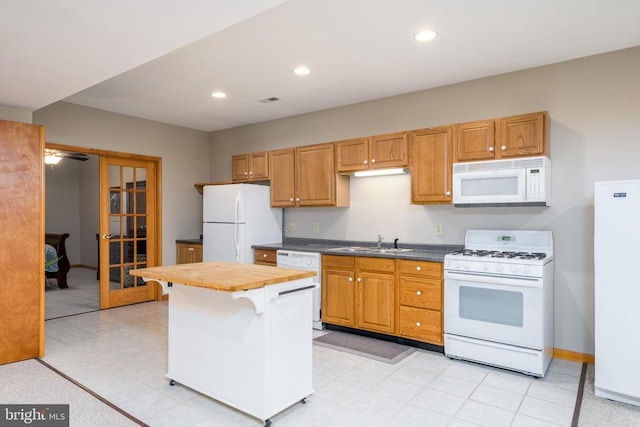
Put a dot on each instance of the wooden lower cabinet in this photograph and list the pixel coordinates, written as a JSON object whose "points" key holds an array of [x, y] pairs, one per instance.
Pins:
{"points": [[390, 296], [420, 325], [420, 301], [375, 293], [338, 290], [265, 257], [188, 253], [359, 292]]}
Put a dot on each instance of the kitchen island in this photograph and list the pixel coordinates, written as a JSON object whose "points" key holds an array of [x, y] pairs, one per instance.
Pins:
{"points": [[239, 333]]}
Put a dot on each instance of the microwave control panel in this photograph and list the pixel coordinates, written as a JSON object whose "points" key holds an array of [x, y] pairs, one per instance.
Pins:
{"points": [[535, 184]]}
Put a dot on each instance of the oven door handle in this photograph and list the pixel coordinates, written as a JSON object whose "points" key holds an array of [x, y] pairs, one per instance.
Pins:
{"points": [[495, 279]]}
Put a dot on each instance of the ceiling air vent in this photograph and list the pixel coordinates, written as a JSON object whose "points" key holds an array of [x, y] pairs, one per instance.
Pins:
{"points": [[268, 100]]}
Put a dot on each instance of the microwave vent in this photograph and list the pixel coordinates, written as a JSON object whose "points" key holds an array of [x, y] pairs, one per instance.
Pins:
{"points": [[492, 165]]}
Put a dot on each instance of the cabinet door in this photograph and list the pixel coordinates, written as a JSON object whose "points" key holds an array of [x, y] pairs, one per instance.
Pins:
{"points": [[282, 177], [376, 301], [352, 155], [187, 254], [338, 297], [315, 177], [432, 162], [240, 168], [475, 141], [259, 166], [389, 151], [523, 135]]}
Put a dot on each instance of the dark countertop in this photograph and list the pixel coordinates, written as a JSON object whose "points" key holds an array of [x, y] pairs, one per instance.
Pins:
{"points": [[420, 252], [190, 241]]}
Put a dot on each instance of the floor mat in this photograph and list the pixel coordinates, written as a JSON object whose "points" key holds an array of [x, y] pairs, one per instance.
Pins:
{"points": [[372, 348]]}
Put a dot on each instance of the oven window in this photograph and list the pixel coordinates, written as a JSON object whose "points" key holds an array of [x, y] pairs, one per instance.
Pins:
{"points": [[492, 306], [499, 186]]}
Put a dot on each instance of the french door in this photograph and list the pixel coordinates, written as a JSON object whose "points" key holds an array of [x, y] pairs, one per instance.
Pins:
{"points": [[128, 237]]}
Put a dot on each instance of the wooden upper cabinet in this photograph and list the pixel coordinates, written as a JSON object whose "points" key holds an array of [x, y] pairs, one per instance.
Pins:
{"points": [[523, 135], [283, 189], [475, 141], [390, 150], [352, 155], [250, 167], [515, 136], [315, 177], [305, 176], [376, 152], [432, 160]]}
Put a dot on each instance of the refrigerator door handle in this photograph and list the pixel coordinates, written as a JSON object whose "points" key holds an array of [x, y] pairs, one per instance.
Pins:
{"points": [[235, 225]]}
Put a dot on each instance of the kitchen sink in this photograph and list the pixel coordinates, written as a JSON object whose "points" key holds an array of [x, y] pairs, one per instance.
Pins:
{"points": [[391, 250], [352, 249], [370, 249]]}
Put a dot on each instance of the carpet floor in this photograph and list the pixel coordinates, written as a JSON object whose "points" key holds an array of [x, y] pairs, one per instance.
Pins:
{"points": [[597, 411], [372, 348], [32, 383], [82, 295]]}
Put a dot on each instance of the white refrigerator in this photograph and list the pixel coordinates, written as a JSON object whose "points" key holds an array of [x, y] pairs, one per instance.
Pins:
{"points": [[617, 290], [235, 217]]}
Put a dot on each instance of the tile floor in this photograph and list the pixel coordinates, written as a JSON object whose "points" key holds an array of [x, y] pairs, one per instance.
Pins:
{"points": [[121, 354]]}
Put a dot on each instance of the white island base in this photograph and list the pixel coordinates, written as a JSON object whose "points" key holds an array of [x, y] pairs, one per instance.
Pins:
{"points": [[249, 349]]}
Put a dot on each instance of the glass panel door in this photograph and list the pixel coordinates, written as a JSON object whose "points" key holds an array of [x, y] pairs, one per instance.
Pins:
{"points": [[128, 187]]}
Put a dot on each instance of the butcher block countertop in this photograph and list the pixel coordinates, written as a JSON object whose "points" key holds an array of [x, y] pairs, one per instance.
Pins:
{"points": [[222, 276]]}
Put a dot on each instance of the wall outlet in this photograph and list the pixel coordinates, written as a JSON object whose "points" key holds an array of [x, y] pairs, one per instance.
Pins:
{"points": [[292, 226], [438, 229], [316, 227]]}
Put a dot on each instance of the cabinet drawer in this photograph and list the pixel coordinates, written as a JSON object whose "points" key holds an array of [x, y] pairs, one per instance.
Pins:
{"points": [[421, 325], [265, 257], [337, 261], [421, 293], [377, 264], [421, 268]]}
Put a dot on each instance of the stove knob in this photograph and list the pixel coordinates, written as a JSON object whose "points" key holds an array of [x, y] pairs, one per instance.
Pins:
{"points": [[467, 265], [485, 266], [514, 268], [308, 262], [526, 269], [457, 264], [499, 267]]}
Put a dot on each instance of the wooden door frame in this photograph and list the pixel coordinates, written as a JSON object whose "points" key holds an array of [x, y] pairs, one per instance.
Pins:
{"points": [[120, 155]]}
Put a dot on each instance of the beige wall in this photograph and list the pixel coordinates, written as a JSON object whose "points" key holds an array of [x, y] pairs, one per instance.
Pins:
{"points": [[15, 114], [594, 109], [184, 154]]}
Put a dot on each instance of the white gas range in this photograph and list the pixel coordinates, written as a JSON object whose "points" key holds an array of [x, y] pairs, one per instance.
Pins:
{"points": [[498, 300]]}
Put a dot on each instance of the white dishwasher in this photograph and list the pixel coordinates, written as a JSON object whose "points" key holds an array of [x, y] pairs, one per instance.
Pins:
{"points": [[306, 261]]}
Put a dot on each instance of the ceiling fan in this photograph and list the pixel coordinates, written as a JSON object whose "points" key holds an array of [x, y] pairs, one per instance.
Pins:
{"points": [[53, 157]]}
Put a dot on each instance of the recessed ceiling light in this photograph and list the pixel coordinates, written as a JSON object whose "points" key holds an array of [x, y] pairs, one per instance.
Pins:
{"points": [[219, 94], [301, 71], [425, 36]]}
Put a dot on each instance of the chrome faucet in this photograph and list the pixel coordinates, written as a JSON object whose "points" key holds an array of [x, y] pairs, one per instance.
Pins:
{"points": [[379, 245]]}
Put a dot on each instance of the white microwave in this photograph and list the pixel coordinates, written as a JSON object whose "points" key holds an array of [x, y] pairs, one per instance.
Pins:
{"points": [[524, 181]]}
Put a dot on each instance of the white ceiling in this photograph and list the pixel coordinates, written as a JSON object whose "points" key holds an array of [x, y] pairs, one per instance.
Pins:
{"points": [[161, 60]]}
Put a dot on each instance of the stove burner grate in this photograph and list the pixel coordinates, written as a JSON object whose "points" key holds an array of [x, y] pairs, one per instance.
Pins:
{"points": [[500, 254]]}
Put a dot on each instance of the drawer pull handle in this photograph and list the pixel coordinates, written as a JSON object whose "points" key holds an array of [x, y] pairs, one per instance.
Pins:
{"points": [[418, 293], [359, 279], [351, 279], [504, 147], [418, 324], [264, 255], [418, 268], [190, 249]]}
